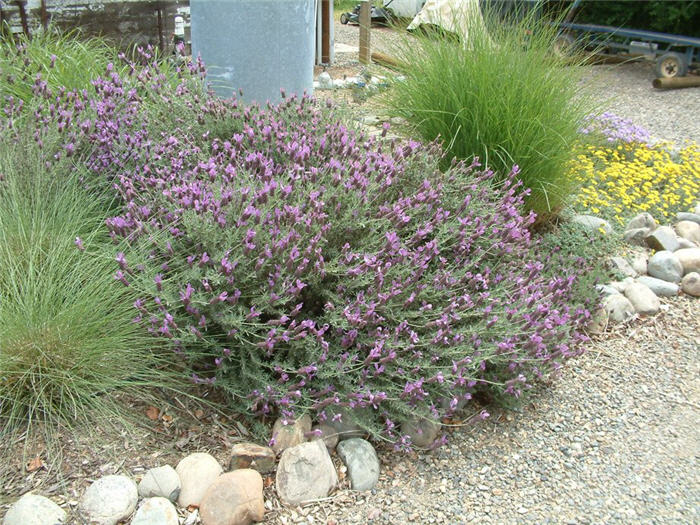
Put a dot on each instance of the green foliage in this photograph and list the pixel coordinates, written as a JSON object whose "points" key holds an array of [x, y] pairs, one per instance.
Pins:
{"points": [[677, 17], [66, 337], [500, 95], [62, 60]]}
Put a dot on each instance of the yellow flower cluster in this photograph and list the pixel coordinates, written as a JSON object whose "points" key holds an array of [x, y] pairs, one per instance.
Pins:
{"points": [[624, 179]]}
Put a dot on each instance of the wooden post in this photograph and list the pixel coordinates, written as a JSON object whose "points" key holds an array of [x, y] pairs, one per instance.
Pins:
{"points": [[326, 22], [161, 40], [23, 17], [676, 82], [365, 23], [44, 15]]}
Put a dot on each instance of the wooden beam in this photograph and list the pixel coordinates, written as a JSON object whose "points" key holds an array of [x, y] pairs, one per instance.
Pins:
{"points": [[326, 31], [676, 82], [365, 26]]}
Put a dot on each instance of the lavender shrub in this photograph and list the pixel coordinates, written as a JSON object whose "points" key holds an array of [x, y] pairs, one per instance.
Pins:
{"points": [[302, 267]]}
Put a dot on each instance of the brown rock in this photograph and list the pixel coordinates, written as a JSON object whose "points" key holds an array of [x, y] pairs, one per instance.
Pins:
{"points": [[250, 455], [235, 498], [197, 472], [291, 434]]}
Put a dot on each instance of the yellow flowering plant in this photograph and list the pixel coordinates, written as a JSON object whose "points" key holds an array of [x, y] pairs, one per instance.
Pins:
{"points": [[619, 178]]}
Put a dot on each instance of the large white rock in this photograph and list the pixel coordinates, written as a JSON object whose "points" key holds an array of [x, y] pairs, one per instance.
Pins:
{"points": [[666, 266], [618, 307], [362, 463], [662, 238], [638, 261], [643, 299], [160, 482], [660, 287], [305, 473], [691, 284], [688, 230], [109, 500], [32, 509], [156, 511], [642, 220], [592, 223], [689, 259], [621, 265], [687, 216], [197, 472]]}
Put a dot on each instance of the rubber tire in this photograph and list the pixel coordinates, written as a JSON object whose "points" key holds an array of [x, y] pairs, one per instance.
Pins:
{"points": [[344, 19], [671, 65]]}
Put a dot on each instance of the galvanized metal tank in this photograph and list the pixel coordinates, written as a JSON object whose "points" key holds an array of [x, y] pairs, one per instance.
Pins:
{"points": [[259, 46]]}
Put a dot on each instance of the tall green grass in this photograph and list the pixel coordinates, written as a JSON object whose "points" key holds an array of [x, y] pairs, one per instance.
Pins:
{"points": [[67, 343], [501, 94], [62, 60]]}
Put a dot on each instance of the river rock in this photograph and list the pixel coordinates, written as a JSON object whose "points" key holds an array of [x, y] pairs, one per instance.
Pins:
{"points": [[235, 498], [422, 432], [328, 434], [638, 262], [289, 433], [109, 500], [685, 243], [636, 236], [606, 289], [592, 223], [687, 216], [305, 473], [666, 266], [160, 482], [688, 230], [362, 463], [662, 238], [197, 472], [641, 220], [344, 422], [621, 265], [643, 299], [33, 509], [689, 259], [250, 455], [156, 511], [621, 285], [325, 81], [660, 287], [618, 307], [690, 284]]}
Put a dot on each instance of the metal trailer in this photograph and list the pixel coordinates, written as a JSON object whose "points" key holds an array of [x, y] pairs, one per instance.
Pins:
{"points": [[675, 55]]}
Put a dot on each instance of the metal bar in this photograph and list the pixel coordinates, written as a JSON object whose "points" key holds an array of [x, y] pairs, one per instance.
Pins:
{"points": [[633, 33]]}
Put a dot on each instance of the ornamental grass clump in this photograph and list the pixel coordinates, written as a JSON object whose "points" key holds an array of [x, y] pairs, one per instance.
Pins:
{"points": [[498, 93], [67, 343]]}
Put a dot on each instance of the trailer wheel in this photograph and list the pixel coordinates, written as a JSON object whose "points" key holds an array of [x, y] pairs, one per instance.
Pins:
{"points": [[671, 65], [344, 19]]}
